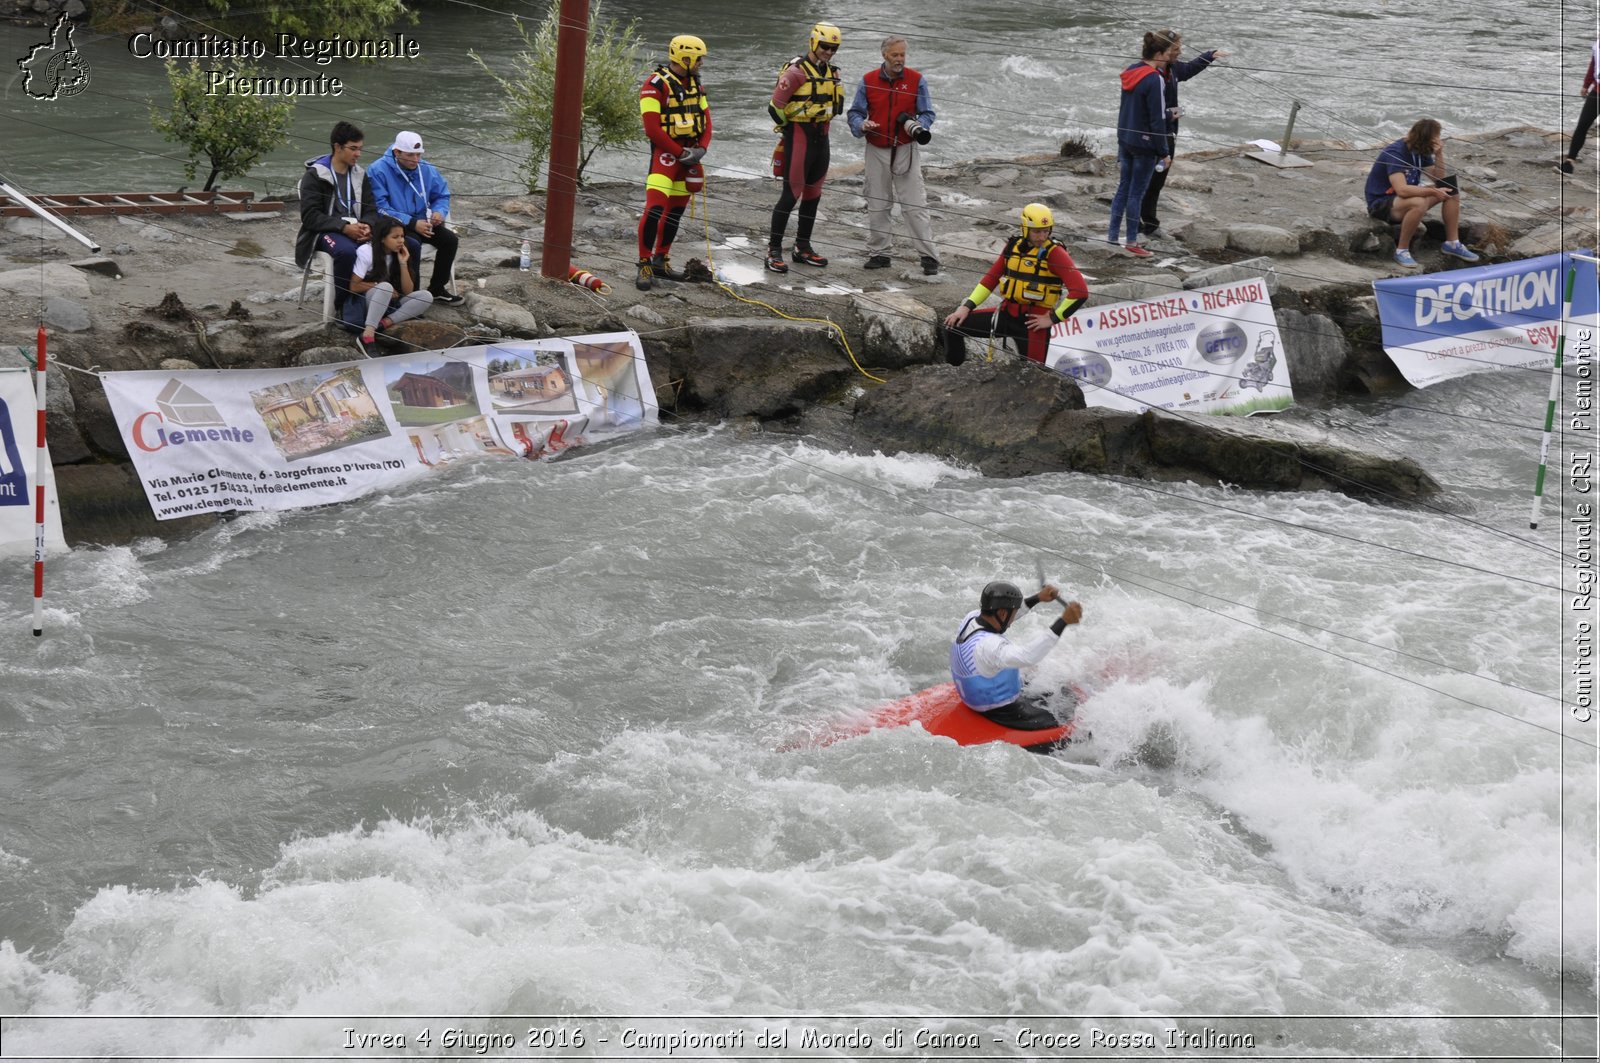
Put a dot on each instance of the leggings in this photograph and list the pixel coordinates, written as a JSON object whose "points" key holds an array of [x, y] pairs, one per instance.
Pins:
{"points": [[659, 225], [1005, 321], [805, 152], [1591, 105], [373, 305]]}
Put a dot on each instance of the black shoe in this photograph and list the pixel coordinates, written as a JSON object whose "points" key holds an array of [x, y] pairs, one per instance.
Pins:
{"points": [[930, 265], [662, 265], [775, 262], [645, 277], [1149, 228], [448, 298], [1566, 166], [876, 262], [808, 256]]}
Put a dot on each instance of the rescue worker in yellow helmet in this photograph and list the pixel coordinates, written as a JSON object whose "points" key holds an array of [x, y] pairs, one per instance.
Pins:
{"points": [[677, 119], [809, 94], [1038, 285]]}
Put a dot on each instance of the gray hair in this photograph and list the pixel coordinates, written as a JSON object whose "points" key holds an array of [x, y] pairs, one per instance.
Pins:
{"points": [[890, 41]]}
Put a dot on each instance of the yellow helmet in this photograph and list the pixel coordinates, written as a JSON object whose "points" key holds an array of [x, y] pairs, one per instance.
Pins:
{"points": [[825, 33], [1037, 216], [686, 50]]}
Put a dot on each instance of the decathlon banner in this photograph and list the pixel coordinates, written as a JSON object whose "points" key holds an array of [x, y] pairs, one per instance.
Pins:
{"points": [[1212, 350], [208, 441], [19, 462], [1445, 325]]}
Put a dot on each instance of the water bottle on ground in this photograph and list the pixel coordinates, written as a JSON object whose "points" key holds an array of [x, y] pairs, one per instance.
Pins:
{"points": [[527, 255]]}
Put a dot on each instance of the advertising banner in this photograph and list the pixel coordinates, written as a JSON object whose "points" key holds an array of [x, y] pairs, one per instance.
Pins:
{"points": [[209, 441], [19, 432], [1444, 325], [1211, 350]]}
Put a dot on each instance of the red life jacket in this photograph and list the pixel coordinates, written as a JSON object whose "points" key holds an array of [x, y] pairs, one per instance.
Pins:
{"points": [[888, 99]]}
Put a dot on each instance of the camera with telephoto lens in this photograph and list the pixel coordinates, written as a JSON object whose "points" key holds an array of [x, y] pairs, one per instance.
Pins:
{"points": [[908, 122]]}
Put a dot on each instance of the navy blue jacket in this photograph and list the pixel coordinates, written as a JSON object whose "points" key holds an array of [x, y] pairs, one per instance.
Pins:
{"points": [[1142, 118]]}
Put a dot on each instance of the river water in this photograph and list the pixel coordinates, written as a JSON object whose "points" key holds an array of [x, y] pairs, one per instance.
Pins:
{"points": [[531, 739]]}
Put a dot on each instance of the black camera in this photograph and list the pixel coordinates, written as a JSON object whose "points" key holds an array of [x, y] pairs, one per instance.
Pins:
{"points": [[908, 123]]}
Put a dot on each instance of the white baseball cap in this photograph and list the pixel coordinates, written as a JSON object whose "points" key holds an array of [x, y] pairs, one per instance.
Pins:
{"points": [[407, 141]]}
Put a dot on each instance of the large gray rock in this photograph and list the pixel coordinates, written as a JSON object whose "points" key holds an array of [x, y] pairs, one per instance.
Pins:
{"points": [[106, 267], [33, 229], [291, 341], [61, 433], [899, 329], [54, 278], [1316, 351], [753, 367], [107, 504], [1006, 419], [329, 355], [68, 315], [509, 318], [1545, 240], [1257, 239], [1017, 419], [229, 343], [1245, 269]]}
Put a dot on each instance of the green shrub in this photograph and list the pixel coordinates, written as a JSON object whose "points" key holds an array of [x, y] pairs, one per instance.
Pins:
{"points": [[613, 71], [231, 132]]}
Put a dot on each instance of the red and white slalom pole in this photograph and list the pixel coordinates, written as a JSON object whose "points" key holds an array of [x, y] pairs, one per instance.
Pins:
{"points": [[38, 495]]}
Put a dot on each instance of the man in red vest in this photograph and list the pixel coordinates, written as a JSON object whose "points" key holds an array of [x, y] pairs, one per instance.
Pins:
{"points": [[894, 111]]}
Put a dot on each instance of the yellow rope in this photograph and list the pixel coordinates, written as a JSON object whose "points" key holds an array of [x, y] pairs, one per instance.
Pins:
{"points": [[711, 265]]}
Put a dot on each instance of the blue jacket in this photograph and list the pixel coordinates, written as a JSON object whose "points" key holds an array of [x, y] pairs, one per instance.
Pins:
{"points": [[1142, 118], [409, 195]]}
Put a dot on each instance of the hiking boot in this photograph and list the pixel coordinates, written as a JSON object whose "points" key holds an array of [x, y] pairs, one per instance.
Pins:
{"points": [[645, 277], [662, 265], [775, 262], [930, 265], [807, 256], [878, 262], [1457, 249]]}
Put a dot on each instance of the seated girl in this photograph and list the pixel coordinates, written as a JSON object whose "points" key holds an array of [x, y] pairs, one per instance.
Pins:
{"points": [[382, 293]]}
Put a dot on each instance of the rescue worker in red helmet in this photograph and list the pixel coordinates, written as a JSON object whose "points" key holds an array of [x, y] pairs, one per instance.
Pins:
{"points": [[677, 119], [1038, 285], [809, 94]]}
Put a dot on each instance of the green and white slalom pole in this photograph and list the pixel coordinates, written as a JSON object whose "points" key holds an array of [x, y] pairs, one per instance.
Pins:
{"points": [[1555, 391]]}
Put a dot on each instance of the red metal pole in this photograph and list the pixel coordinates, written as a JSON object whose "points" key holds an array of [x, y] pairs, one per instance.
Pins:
{"points": [[566, 131], [38, 496]]}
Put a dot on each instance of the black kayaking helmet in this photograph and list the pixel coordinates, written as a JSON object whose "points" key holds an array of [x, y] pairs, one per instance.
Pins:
{"points": [[1000, 595]]}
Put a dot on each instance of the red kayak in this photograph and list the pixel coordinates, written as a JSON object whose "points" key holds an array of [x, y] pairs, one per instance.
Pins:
{"points": [[940, 711]]}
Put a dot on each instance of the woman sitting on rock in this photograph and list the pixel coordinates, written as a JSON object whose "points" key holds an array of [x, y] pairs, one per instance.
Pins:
{"points": [[382, 291]]}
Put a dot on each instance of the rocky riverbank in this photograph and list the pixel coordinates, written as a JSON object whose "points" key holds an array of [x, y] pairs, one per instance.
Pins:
{"points": [[222, 291]]}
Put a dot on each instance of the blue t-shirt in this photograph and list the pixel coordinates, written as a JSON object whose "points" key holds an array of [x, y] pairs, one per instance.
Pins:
{"points": [[1396, 158]]}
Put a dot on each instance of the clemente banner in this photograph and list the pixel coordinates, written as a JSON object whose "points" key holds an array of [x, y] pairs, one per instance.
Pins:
{"points": [[19, 431], [1212, 350], [1445, 325], [208, 441]]}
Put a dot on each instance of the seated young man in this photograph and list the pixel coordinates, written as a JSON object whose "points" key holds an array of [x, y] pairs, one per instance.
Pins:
{"points": [[1395, 191]]}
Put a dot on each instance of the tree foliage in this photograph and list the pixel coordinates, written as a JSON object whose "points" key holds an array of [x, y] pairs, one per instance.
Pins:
{"points": [[230, 132], [317, 19], [613, 69], [309, 19]]}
